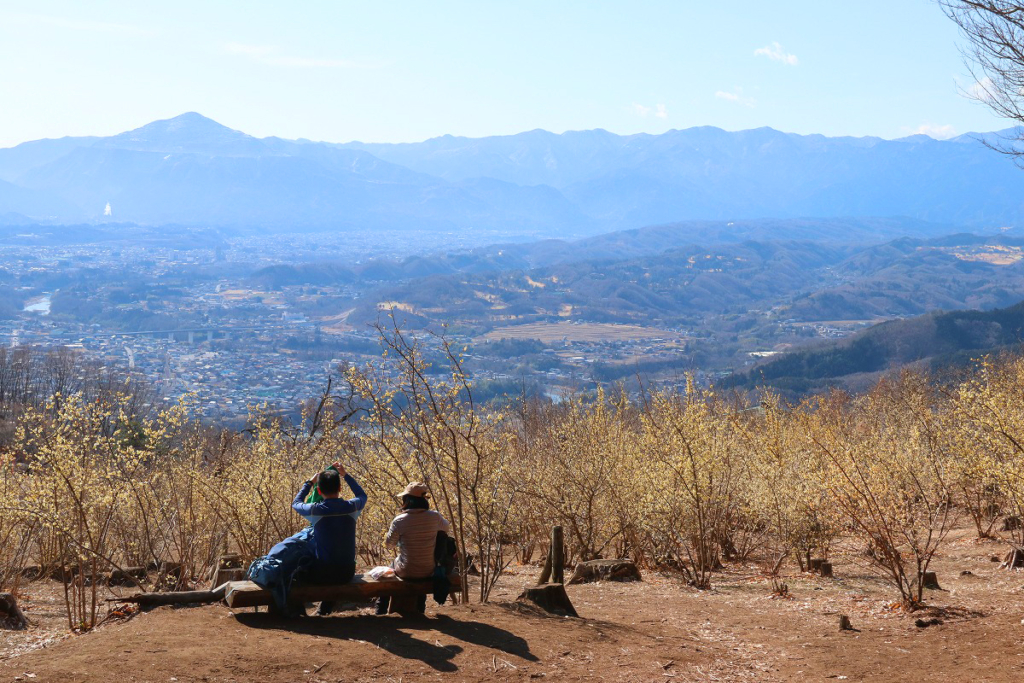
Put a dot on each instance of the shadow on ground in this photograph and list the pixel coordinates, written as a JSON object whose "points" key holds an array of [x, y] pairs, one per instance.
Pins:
{"points": [[392, 634]]}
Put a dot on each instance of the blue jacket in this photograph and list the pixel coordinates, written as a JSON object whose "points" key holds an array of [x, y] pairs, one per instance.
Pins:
{"points": [[334, 523]]}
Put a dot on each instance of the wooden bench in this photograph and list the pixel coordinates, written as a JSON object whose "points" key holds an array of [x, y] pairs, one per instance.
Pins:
{"points": [[359, 589]]}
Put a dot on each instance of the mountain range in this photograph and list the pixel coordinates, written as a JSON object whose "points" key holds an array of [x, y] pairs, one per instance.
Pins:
{"points": [[191, 170]]}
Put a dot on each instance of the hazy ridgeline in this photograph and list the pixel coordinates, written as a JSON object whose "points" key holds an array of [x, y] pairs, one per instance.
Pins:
{"points": [[677, 482]]}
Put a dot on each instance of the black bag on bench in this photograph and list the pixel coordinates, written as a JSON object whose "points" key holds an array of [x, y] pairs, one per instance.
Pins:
{"points": [[445, 562]]}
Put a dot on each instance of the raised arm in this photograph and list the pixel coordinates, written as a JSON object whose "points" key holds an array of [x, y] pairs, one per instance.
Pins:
{"points": [[298, 504], [360, 500]]}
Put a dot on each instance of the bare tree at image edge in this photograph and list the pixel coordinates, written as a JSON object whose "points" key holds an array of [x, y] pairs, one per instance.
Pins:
{"points": [[994, 56]]}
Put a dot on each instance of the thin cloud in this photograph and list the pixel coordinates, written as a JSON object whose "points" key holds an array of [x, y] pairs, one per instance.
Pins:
{"points": [[775, 53], [983, 90], [640, 110], [736, 96], [271, 56], [659, 110]]}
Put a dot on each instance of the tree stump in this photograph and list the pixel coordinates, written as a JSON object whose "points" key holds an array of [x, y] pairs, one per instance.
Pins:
{"points": [[930, 581], [225, 575], [845, 624], [129, 576], [1013, 560], [11, 617], [550, 597], [228, 568], [825, 569], [814, 566], [170, 576], [604, 570], [1011, 523], [170, 569], [31, 572]]}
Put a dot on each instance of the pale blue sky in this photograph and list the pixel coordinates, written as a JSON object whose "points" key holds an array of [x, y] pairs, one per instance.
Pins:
{"points": [[405, 71]]}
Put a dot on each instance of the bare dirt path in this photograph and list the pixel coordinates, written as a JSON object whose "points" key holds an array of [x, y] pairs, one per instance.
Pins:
{"points": [[657, 630]]}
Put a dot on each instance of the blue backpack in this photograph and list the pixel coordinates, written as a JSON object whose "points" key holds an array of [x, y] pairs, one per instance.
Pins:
{"points": [[276, 570]]}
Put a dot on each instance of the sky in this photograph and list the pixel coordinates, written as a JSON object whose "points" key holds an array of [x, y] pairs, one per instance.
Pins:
{"points": [[401, 71]]}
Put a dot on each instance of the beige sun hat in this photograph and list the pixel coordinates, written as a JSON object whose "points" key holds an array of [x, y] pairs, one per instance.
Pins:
{"points": [[416, 488]]}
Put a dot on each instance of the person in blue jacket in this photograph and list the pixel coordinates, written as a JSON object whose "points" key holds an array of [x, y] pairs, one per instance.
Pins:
{"points": [[325, 551], [334, 525]]}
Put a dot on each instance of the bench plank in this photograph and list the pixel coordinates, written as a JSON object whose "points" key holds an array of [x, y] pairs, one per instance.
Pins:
{"points": [[248, 594]]}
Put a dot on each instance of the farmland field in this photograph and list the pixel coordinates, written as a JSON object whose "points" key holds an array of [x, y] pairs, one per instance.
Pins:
{"points": [[581, 332]]}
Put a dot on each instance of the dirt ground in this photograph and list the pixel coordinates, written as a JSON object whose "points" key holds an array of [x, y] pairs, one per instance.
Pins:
{"points": [[656, 630]]}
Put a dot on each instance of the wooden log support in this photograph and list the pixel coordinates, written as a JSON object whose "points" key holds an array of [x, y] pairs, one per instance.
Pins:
{"points": [[554, 564], [825, 569], [930, 581], [248, 594], [545, 573], [557, 555], [175, 597], [405, 605]]}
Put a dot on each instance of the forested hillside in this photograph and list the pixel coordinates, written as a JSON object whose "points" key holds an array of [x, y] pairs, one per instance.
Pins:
{"points": [[944, 340]]}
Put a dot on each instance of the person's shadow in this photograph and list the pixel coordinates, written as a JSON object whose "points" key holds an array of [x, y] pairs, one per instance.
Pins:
{"points": [[389, 633]]}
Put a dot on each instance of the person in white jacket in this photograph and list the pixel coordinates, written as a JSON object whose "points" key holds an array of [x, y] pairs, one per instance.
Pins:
{"points": [[414, 532]]}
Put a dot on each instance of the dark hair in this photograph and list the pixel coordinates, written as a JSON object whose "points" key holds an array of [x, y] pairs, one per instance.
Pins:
{"points": [[329, 482], [415, 502]]}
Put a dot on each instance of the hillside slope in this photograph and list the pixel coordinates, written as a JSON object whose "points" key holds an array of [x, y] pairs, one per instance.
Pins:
{"points": [[942, 338]]}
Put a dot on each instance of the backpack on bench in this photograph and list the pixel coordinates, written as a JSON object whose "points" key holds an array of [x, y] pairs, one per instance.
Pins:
{"points": [[445, 562]]}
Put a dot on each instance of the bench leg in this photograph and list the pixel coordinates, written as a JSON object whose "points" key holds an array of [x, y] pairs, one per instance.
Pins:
{"points": [[408, 605]]}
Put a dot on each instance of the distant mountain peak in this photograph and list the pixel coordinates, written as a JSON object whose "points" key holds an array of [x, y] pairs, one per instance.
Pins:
{"points": [[189, 119], [190, 131]]}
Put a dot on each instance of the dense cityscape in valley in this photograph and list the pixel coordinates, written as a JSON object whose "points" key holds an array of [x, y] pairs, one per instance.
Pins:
{"points": [[240, 319], [169, 316]]}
